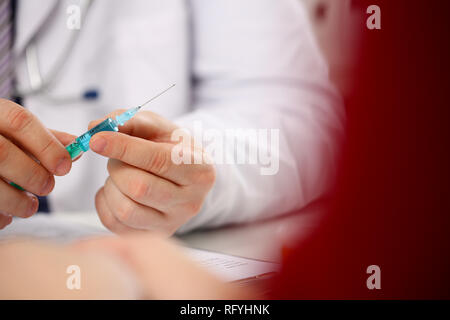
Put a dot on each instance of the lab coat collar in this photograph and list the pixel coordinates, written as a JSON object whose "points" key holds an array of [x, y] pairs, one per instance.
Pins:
{"points": [[34, 13]]}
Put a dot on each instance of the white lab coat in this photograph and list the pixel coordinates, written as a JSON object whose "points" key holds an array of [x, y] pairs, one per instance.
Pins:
{"points": [[237, 64]]}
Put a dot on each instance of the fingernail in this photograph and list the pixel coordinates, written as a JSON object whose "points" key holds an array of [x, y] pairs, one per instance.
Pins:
{"points": [[98, 144], [63, 167], [33, 207], [47, 186]]}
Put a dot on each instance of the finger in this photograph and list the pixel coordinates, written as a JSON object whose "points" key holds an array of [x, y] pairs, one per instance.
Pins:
{"points": [[131, 213], [5, 220], [146, 125], [143, 187], [66, 139], [107, 218], [111, 115], [19, 168], [63, 137], [15, 202], [29, 132], [150, 156]]}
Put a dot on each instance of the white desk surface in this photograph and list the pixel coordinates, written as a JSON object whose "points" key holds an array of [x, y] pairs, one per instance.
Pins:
{"points": [[262, 240]]}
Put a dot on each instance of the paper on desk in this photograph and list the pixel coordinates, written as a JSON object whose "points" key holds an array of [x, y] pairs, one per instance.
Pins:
{"points": [[45, 227], [231, 268]]}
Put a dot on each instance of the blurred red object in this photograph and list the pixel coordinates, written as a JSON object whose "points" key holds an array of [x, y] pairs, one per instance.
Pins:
{"points": [[391, 204]]}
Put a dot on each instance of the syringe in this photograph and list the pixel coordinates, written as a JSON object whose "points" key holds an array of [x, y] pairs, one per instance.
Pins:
{"points": [[81, 144]]}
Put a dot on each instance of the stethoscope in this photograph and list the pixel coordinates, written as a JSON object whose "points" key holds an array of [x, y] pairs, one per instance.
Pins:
{"points": [[39, 85]]}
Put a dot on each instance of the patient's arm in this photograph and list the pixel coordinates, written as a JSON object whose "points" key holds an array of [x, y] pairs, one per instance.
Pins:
{"points": [[32, 270], [136, 266], [163, 270]]}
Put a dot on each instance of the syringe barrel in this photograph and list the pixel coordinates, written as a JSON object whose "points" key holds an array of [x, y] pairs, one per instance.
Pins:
{"points": [[106, 125], [81, 144]]}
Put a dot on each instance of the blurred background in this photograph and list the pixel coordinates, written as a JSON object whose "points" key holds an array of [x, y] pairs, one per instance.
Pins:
{"points": [[337, 25]]}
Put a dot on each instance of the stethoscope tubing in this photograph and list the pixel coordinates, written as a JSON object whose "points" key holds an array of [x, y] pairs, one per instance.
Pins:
{"points": [[39, 85]]}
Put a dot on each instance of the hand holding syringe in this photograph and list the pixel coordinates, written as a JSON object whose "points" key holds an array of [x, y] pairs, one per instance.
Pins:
{"points": [[81, 144], [145, 190]]}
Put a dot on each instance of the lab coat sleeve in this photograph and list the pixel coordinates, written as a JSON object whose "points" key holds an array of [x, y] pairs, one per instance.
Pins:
{"points": [[256, 65]]}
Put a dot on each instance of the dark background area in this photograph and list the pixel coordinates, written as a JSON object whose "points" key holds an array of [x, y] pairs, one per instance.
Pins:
{"points": [[391, 204]]}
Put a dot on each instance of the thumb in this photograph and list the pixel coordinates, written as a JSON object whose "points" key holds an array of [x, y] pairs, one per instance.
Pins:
{"points": [[63, 137]]}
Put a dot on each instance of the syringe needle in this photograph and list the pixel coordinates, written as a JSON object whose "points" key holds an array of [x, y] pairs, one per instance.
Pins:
{"points": [[81, 144], [159, 94], [130, 113]]}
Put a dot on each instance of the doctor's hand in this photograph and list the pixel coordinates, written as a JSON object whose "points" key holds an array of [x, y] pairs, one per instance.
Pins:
{"points": [[30, 156], [145, 189]]}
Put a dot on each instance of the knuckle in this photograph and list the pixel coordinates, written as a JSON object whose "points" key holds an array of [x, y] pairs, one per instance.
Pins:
{"points": [[139, 190], [123, 151], [164, 197], [159, 162], [36, 178], [18, 118], [47, 146], [125, 212]]}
